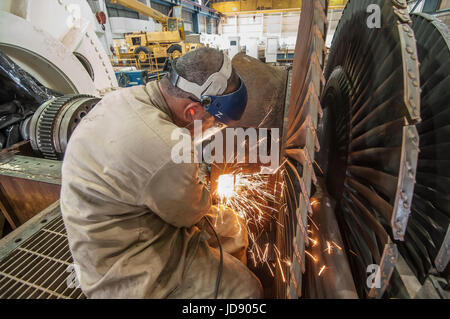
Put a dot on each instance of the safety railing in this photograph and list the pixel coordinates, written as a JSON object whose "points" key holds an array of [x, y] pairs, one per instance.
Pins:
{"points": [[150, 64]]}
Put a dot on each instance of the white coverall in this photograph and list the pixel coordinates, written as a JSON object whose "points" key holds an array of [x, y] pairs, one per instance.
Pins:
{"points": [[131, 213]]}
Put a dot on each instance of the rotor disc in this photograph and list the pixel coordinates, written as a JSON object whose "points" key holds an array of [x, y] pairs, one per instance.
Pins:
{"points": [[299, 146], [371, 103], [424, 246]]}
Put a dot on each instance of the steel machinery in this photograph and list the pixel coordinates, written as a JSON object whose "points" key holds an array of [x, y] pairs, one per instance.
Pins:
{"points": [[53, 69]]}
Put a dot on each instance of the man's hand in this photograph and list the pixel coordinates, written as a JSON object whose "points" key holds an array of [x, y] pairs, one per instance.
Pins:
{"points": [[204, 173]]}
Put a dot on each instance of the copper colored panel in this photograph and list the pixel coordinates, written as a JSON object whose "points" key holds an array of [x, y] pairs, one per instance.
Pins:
{"points": [[26, 198]]}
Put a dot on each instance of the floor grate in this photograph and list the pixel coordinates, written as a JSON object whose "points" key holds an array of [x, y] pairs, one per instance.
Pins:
{"points": [[41, 267]]}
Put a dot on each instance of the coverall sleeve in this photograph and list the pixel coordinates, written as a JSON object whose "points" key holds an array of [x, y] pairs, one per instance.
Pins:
{"points": [[176, 194]]}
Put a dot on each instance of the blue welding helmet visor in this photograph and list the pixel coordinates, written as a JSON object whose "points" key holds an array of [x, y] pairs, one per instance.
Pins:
{"points": [[229, 107]]}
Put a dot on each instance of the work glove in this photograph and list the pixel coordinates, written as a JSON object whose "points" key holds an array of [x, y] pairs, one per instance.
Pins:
{"points": [[231, 230], [204, 173]]}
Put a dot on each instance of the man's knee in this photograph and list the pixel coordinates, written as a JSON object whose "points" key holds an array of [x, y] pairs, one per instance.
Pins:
{"points": [[255, 288], [238, 281]]}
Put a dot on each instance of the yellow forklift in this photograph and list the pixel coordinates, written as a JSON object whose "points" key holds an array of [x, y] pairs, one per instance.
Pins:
{"points": [[143, 46]]}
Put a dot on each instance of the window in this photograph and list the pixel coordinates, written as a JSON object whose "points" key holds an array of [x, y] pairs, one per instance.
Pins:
{"points": [[136, 41]]}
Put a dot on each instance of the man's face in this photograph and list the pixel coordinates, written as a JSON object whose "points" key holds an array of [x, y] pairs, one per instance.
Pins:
{"points": [[206, 123], [207, 119]]}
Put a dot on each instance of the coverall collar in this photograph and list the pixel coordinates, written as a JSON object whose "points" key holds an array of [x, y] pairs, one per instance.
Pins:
{"points": [[157, 98]]}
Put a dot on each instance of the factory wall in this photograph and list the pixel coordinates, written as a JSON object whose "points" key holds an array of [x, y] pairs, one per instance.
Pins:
{"points": [[445, 16], [260, 26], [445, 4], [117, 26], [334, 15], [188, 24], [214, 26], [202, 24], [5, 5]]}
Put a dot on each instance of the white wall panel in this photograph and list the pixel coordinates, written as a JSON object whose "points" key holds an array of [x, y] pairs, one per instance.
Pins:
{"points": [[260, 26], [283, 25]]}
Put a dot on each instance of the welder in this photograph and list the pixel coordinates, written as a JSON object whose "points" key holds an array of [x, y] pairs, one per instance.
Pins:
{"points": [[139, 224]]}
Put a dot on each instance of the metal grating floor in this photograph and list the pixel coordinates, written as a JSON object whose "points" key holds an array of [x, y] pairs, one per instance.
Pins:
{"points": [[41, 267]]}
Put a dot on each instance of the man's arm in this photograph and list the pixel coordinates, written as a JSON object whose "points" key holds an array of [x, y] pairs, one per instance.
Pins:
{"points": [[176, 194]]}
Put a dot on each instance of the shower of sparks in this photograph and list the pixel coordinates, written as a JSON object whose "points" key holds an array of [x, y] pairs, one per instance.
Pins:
{"points": [[278, 256], [311, 255], [314, 242], [318, 167], [313, 223], [322, 269], [281, 270], [351, 251], [248, 196], [329, 248]]}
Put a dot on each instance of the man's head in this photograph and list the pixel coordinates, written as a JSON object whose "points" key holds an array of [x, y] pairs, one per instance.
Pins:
{"points": [[196, 66]]}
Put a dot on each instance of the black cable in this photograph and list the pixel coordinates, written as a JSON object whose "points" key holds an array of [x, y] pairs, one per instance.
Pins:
{"points": [[219, 274]]}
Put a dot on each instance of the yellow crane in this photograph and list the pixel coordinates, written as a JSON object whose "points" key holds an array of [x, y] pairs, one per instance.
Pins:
{"points": [[160, 45], [168, 23]]}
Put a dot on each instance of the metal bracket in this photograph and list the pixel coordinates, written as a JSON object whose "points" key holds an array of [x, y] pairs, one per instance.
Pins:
{"points": [[32, 168], [293, 281], [411, 75], [406, 180], [400, 4], [301, 225], [387, 265], [403, 15]]}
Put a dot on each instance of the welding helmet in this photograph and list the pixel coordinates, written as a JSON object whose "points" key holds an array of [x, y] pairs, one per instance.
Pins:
{"points": [[224, 108]]}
